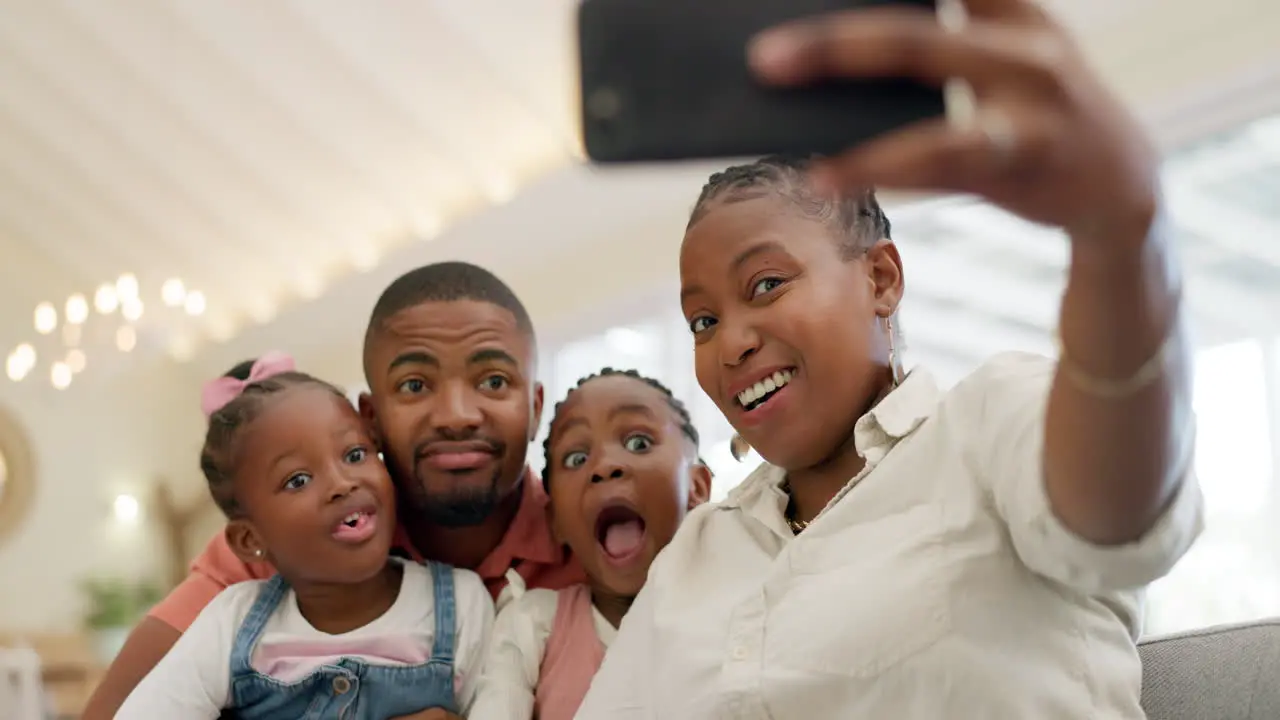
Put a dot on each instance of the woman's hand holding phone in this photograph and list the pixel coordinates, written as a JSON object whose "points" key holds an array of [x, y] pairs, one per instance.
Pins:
{"points": [[1048, 141]]}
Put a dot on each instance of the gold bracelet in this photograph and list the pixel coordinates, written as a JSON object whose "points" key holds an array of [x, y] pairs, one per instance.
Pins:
{"points": [[1114, 389]]}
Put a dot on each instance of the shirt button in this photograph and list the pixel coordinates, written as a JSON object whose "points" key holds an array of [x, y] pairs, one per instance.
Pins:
{"points": [[740, 653], [341, 685]]}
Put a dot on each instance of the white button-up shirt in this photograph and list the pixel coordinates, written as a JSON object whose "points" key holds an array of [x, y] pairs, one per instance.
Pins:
{"points": [[938, 583], [509, 687]]}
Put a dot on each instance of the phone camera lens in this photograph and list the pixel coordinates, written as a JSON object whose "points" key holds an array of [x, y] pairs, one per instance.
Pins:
{"points": [[604, 104]]}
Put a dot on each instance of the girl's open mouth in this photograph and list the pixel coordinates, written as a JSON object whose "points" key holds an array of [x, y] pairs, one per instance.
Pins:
{"points": [[356, 527]]}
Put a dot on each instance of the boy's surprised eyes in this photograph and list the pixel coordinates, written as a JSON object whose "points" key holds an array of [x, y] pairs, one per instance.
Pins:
{"points": [[636, 443], [574, 460]]}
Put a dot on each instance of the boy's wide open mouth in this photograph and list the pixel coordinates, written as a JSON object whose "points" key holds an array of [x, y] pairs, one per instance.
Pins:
{"points": [[620, 532]]}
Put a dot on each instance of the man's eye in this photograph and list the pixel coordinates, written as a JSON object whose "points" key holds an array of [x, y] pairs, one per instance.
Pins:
{"points": [[412, 386], [494, 383]]}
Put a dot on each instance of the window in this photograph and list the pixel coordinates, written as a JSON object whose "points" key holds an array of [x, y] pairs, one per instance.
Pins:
{"points": [[727, 472], [643, 347], [1231, 575], [1234, 434], [639, 347], [354, 391]]}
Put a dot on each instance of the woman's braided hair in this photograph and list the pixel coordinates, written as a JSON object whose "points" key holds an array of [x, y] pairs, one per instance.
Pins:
{"points": [[856, 217], [686, 423], [218, 456]]}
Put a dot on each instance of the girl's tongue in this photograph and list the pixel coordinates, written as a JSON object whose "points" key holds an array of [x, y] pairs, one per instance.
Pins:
{"points": [[622, 539]]}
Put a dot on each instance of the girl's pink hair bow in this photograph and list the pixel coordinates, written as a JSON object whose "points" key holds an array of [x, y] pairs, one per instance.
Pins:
{"points": [[218, 392]]}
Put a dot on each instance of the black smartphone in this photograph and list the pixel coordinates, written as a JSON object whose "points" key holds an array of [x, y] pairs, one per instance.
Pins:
{"points": [[668, 80]]}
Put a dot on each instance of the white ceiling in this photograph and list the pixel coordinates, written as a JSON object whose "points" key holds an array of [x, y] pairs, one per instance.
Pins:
{"points": [[289, 158]]}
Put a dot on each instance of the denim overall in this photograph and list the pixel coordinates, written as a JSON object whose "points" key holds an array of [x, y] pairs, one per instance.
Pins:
{"points": [[351, 689]]}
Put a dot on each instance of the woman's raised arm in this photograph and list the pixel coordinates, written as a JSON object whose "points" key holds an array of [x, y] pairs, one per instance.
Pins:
{"points": [[1050, 143]]}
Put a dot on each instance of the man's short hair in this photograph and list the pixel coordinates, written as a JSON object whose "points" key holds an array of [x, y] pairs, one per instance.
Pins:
{"points": [[446, 282]]}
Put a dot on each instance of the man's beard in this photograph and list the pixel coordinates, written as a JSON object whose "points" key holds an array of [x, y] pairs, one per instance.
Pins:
{"points": [[456, 507]]}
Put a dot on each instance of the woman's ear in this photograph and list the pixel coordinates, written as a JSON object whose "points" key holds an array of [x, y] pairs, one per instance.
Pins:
{"points": [[699, 485], [884, 265], [243, 539]]}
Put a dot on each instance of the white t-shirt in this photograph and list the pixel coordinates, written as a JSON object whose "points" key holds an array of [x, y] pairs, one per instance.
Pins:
{"points": [[938, 584], [510, 682], [193, 681]]}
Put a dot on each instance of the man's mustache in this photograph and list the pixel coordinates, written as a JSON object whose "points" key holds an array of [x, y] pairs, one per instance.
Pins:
{"points": [[440, 446]]}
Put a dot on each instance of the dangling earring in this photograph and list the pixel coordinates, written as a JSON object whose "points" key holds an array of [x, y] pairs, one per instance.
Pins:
{"points": [[895, 362], [738, 448]]}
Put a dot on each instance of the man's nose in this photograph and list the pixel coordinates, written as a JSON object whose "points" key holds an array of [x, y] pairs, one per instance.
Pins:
{"points": [[456, 411]]}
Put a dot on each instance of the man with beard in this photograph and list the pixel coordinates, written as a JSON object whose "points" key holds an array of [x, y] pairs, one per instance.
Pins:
{"points": [[449, 356]]}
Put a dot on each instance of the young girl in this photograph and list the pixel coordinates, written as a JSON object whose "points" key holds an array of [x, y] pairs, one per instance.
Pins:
{"points": [[341, 630], [622, 469]]}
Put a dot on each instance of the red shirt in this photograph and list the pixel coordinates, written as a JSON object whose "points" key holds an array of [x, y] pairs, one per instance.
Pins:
{"points": [[528, 546]]}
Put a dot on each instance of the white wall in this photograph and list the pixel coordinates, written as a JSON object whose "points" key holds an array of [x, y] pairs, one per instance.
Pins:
{"points": [[91, 443]]}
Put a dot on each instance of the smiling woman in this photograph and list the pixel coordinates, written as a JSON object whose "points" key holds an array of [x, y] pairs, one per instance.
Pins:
{"points": [[17, 475]]}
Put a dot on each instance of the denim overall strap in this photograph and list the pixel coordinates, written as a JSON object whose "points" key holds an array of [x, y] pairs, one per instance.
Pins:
{"points": [[247, 636], [446, 612]]}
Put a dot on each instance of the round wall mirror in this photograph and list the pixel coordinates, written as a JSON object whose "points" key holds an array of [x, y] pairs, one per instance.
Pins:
{"points": [[17, 475]]}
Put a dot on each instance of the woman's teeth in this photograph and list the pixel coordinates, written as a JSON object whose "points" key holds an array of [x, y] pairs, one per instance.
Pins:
{"points": [[763, 388], [352, 519]]}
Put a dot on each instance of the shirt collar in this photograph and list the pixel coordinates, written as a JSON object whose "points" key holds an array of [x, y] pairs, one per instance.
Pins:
{"points": [[874, 435], [528, 537]]}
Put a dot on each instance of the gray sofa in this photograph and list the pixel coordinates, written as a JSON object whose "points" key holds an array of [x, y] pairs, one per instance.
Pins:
{"points": [[1231, 672]]}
